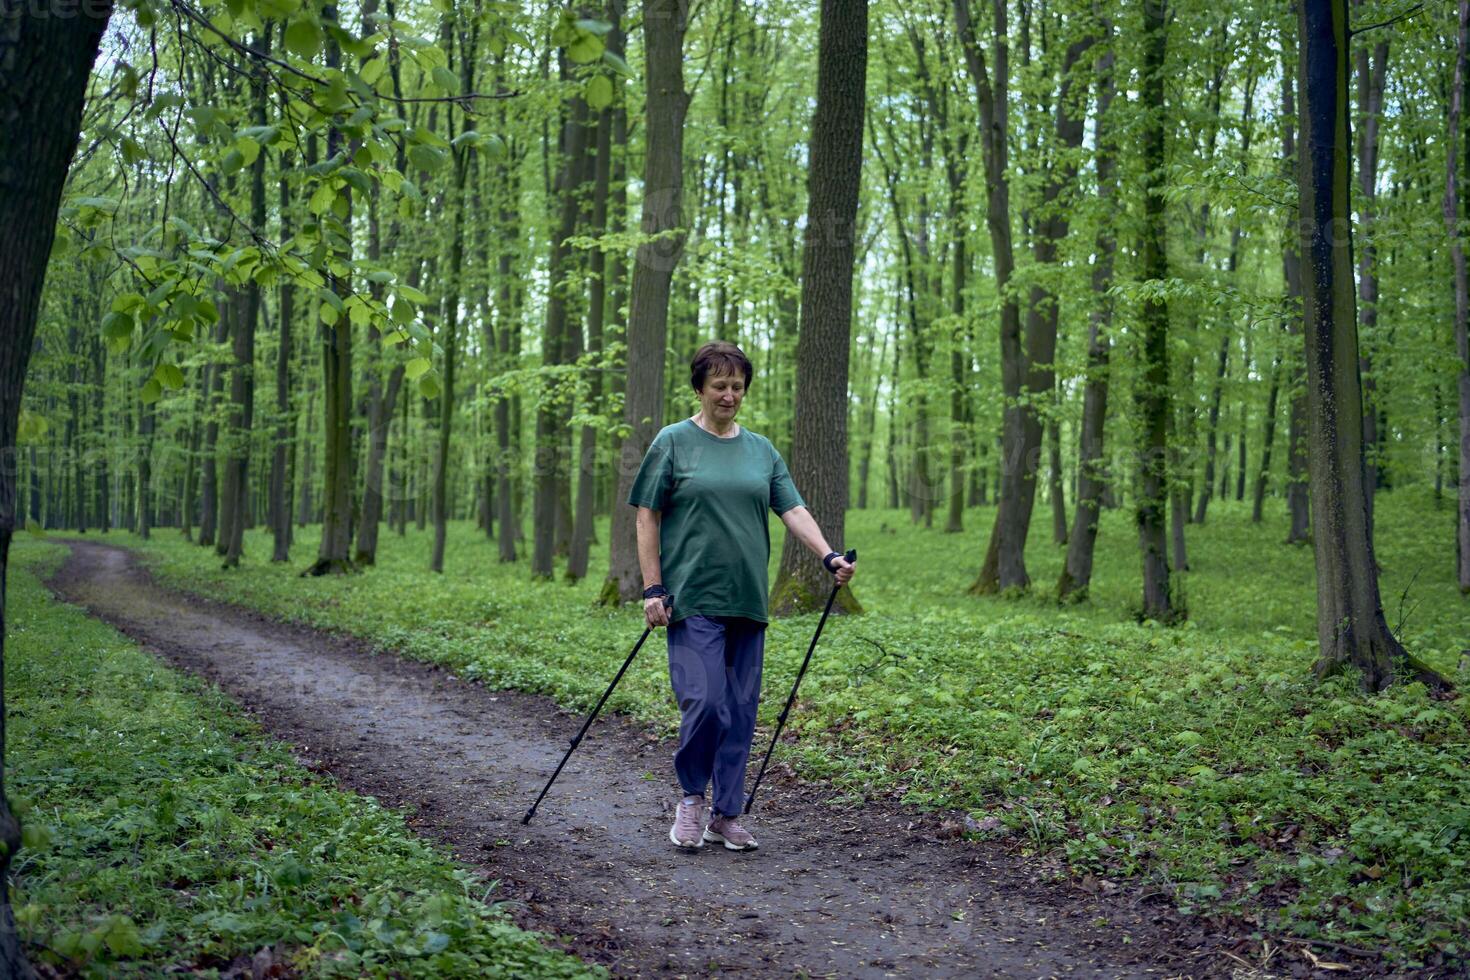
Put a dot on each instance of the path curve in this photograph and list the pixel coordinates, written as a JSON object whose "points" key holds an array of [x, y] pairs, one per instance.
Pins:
{"points": [[864, 893]]}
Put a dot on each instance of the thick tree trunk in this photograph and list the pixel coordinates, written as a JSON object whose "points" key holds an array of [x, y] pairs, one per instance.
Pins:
{"points": [[333, 555], [1005, 561], [242, 376], [1456, 213], [45, 61], [653, 269], [1152, 394], [549, 511], [1370, 109], [1297, 505], [819, 462], [1077, 572], [596, 311], [1351, 628], [450, 343]]}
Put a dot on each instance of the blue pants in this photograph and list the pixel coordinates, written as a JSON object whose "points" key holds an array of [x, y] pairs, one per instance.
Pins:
{"points": [[715, 668]]}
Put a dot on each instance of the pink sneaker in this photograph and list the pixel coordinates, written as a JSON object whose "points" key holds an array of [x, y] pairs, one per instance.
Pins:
{"points": [[727, 831], [688, 819]]}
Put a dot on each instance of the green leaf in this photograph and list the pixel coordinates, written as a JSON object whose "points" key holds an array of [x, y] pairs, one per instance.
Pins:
{"points": [[446, 80], [586, 48], [117, 325], [415, 368], [303, 38], [232, 162], [598, 27], [618, 64], [414, 295], [494, 147], [169, 376], [599, 92], [429, 386], [248, 149], [151, 392], [121, 937], [132, 151], [321, 199], [468, 137], [373, 69], [428, 137], [429, 158]]}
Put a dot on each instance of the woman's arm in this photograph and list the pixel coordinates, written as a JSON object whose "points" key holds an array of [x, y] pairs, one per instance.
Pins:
{"points": [[647, 522], [800, 522]]}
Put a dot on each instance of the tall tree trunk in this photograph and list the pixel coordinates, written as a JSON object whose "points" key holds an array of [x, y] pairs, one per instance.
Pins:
{"points": [[819, 461], [242, 377], [1005, 561], [596, 311], [1351, 628], [1456, 212], [1268, 437], [1152, 395], [870, 429], [455, 290], [551, 417], [209, 482], [45, 62], [1077, 572], [451, 356], [1217, 393], [337, 478], [280, 493], [1297, 503], [104, 512], [648, 307], [1370, 109]]}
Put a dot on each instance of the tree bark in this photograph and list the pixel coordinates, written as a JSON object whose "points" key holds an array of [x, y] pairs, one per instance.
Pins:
{"points": [[1297, 505], [1268, 437], [1456, 212], [280, 495], [596, 311], [242, 376], [1152, 395], [1005, 561], [819, 462], [1370, 80], [1076, 575], [550, 524], [45, 62], [1351, 628], [336, 542], [648, 306]]}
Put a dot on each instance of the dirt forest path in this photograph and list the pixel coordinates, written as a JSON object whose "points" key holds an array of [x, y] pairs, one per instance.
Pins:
{"points": [[871, 892]]}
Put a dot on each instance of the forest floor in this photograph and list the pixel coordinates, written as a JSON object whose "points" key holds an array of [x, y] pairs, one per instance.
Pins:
{"points": [[881, 889]]}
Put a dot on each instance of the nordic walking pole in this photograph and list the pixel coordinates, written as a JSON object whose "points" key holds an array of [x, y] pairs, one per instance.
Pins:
{"points": [[577, 739], [851, 557]]}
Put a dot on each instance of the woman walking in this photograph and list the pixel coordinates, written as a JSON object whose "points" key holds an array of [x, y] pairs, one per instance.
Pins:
{"points": [[702, 493]]}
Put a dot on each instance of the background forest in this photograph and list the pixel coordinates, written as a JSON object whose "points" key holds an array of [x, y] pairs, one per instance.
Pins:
{"points": [[413, 285]]}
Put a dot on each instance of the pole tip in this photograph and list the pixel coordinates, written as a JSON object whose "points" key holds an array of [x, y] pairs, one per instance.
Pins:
{"points": [[527, 818]]}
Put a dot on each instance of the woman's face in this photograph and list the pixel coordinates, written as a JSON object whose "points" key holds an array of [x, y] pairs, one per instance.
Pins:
{"points": [[721, 396]]}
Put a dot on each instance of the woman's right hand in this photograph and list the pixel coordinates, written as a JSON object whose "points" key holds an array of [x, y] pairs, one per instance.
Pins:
{"points": [[656, 610]]}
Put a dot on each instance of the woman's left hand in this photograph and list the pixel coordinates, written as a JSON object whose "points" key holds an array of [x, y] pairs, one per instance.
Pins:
{"points": [[844, 570]]}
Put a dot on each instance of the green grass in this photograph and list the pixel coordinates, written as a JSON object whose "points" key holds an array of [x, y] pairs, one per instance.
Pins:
{"points": [[1200, 761], [163, 832]]}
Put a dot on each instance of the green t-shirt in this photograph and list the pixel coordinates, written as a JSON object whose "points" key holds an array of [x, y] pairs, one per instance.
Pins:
{"points": [[711, 495]]}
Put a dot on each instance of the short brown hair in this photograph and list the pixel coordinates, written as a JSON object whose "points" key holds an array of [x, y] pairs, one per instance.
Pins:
{"points": [[718, 357]]}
